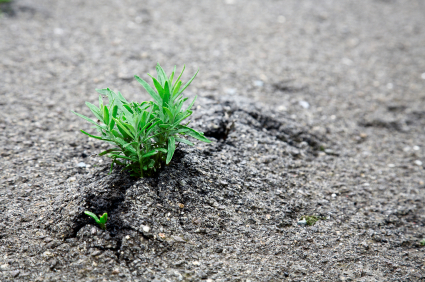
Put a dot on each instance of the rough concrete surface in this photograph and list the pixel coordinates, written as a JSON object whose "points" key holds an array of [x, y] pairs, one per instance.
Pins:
{"points": [[316, 108]]}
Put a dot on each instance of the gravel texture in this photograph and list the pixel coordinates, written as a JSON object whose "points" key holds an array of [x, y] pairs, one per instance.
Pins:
{"points": [[315, 109]]}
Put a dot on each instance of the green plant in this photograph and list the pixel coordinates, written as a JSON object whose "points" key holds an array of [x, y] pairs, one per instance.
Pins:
{"points": [[144, 134], [422, 242], [312, 219], [101, 221]]}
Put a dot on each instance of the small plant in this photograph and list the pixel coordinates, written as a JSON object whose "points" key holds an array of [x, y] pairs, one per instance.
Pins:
{"points": [[144, 134], [312, 219], [422, 242], [101, 221]]}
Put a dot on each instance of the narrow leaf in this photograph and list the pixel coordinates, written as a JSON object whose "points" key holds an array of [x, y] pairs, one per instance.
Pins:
{"points": [[95, 110], [171, 149], [110, 151], [92, 215], [151, 153], [162, 77], [120, 125], [196, 134], [105, 115], [148, 88], [158, 86], [178, 78], [188, 83], [184, 141], [94, 136]]}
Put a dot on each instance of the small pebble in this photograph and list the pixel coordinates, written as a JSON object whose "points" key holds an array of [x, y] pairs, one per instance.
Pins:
{"points": [[333, 195], [302, 222], [258, 83], [146, 228], [418, 163], [82, 165], [391, 165], [304, 104], [416, 148]]}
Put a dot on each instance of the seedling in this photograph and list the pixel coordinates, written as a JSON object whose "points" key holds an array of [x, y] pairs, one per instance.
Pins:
{"points": [[101, 221], [422, 242], [312, 219], [144, 134]]}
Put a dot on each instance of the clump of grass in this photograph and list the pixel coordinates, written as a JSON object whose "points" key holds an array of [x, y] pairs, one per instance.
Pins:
{"points": [[312, 219], [144, 134], [422, 242]]}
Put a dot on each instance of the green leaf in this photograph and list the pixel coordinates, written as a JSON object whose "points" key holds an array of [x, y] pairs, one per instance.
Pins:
{"points": [[124, 157], [183, 117], [178, 78], [162, 150], [162, 77], [148, 88], [191, 104], [176, 88], [90, 120], [105, 115], [187, 84], [170, 114], [92, 215], [184, 141], [121, 126], [196, 134], [170, 80], [128, 109], [158, 86], [171, 149], [151, 153], [114, 115], [103, 218], [94, 136], [110, 151], [116, 133], [95, 110], [166, 98]]}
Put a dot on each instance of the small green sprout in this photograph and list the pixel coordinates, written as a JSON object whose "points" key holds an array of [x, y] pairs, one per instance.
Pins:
{"points": [[312, 219], [422, 242], [101, 221]]}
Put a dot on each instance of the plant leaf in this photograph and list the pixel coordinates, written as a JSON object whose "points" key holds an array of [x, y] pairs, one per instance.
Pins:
{"points": [[92, 215], [103, 218], [121, 126], [196, 134], [148, 88], [124, 157], [94, 136], [191, 104], [178, 78], [95, 110], [187, 84], [105, 115], [90, 120], [162, 77], [158, 86], [110, 151], [184, 141], [151, 153], [171, 149]]}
